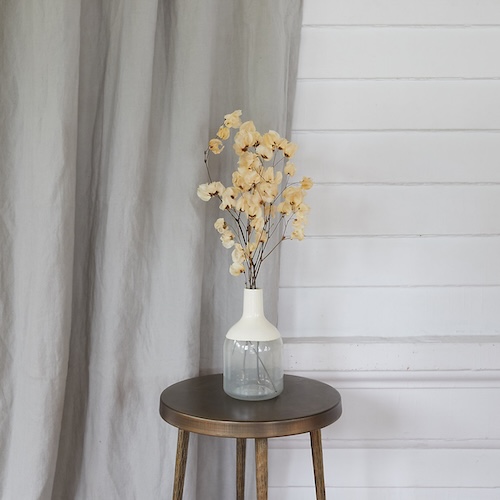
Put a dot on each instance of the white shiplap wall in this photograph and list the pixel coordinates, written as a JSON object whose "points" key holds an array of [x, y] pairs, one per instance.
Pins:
{"points": [[394, 296]]}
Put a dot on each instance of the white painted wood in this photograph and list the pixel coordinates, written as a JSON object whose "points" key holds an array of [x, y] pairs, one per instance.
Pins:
{"points": [[398, 157], [445, 355], [373, 52], [447, 261], [397, 117], [389, 105], [404, 210], [353, 493], [401, 12], [389, 312], [401, 417], [389, 467]]}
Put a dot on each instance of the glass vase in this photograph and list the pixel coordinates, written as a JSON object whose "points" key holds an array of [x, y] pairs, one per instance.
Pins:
{"points": [[253, 354]]}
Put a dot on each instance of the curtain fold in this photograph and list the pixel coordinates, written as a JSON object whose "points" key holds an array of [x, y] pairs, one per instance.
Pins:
{"points": [[113, 281]]}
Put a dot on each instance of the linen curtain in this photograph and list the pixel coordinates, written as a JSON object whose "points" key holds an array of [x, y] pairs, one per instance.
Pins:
{"points": [[113, 281]]}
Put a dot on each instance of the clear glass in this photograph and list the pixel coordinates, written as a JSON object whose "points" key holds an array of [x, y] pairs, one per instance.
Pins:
{"points": [[253, 370]]}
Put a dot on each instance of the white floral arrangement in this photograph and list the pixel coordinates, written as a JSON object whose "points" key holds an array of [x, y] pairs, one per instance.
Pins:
{"points": [[262, 200]]}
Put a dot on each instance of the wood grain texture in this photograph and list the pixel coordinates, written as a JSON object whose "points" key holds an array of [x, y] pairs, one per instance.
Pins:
{"points": [[241, 449], [261, 468], [180, 464], [317, 458]]}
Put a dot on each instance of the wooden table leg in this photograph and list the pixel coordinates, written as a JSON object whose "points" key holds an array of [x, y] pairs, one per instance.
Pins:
{"points": [[180, 464], [317, 456], [261, 467], [241, 448]]}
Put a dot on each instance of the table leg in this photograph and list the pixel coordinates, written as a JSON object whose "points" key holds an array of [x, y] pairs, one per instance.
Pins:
{"points": [[261, 467], [317, 456], [180, 464], [241, 448]]}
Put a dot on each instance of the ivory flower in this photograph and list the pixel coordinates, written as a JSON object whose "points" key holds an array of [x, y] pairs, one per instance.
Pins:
{"points": [[216, 146], [297, 234], [257, 223], [264, 152], [289, 169], [306, 183], [228, 198], [290, 149], [238, 254], [206, 191], [233, 120], [227, 239], [220, 225], [263, 206], [293, 195], [203, 192], [250, 249], [236, 268], [262, 237], [223, 133], [271, 140], [285, 208]]}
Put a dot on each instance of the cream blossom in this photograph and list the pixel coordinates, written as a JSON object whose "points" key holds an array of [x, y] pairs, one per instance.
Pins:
{"points": [[289, 169], [264, 152], [216, 146], [257, 223], [250, 249], [228, 198], [285, 208], [236, 268], [293, 195], [271, 140], [203, 192], [223, 133], [238, 254], [263, 205], [220, 225], [290, 149], [306, 183], [297, 234], [232, 120], [227, 239], [262, 236]]}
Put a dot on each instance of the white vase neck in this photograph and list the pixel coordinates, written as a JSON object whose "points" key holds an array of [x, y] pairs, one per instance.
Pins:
{"points": [[253, 302], [253, 325]]}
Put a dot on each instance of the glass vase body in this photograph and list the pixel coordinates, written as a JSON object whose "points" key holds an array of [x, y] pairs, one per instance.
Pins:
{"points": [[253, 353]]}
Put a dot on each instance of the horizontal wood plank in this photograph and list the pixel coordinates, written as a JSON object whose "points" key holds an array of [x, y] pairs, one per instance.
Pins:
{"points": [[457, 261], [399, 53], [396, 105], [404, 210], [383, 468], [359, 493], [396, 12], [388, 312], [423, 362], [398, 157], [398, 417]]}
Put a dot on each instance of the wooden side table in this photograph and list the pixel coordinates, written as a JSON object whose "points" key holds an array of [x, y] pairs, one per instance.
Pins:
{"points": [[200, 405]]}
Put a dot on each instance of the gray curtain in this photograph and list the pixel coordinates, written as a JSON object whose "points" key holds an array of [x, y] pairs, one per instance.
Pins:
{"points": [[113, 282]]}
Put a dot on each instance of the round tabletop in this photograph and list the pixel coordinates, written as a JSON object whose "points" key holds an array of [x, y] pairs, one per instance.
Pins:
{"points": [[200, 405]]}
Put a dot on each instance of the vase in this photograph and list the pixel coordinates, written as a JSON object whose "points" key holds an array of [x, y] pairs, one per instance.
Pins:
{"points": [[253, 353]]}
